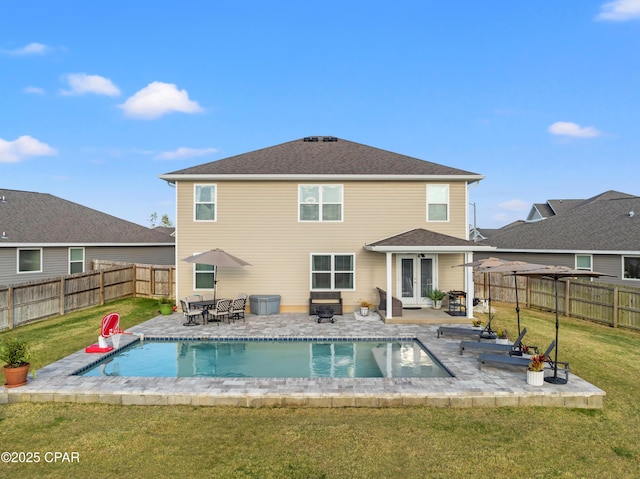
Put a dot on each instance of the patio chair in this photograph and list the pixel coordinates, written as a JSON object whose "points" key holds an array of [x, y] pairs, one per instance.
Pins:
{"points": [[520, 361], [514, 349], [238, 306], [221, 310], [396, 304], [190, 299], [190, 314], [486, 333]]}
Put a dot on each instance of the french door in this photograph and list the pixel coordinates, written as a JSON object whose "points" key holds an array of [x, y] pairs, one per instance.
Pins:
{"points": [[416, 278]]}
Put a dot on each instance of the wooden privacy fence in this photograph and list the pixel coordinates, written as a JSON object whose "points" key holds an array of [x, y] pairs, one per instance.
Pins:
{"points": [[26, 302], [614, 305]]}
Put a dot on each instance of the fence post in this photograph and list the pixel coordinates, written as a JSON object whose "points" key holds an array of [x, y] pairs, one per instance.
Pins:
{"points": [[62, 296], [101, 287], [567, 298], [615, 307], [152, 280], [10, 308]]}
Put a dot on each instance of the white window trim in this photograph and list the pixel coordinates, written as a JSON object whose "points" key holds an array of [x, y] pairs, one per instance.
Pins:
{"points": [[622, 276], [70, 261], [332, 271], [590, 262], [321, 203], [195, 273], [215, 202], [18, 260], [448, 203]]}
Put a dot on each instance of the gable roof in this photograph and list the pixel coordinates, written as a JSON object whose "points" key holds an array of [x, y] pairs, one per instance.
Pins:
{"points": [[609, 222], [320, 157], [41, 219], [540, 211], [420, 238]]}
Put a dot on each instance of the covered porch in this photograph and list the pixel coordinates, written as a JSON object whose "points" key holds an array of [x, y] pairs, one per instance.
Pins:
{"points": [[420, 261]]}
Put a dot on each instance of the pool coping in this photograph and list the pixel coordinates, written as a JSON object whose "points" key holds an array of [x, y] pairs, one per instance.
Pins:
{"points": [[471, 387]]}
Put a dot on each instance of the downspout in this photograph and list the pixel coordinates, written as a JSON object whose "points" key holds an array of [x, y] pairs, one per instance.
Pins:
{"points": [[389, 285]]}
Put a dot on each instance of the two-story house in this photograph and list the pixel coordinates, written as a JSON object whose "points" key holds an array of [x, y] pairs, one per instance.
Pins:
{"points": [[326, 214]]}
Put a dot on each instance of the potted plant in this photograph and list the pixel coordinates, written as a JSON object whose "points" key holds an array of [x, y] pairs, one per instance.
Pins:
{"points": [[436, 296], [365, 306], [535, 370], [166, 305], [15, 354], [503, 337]]}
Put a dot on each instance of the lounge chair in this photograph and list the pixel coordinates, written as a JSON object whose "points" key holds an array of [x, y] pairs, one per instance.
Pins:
{"points": [[520, 361], [222, 309], [238, 306], [485, 333], [190, 314], [514, 349]]}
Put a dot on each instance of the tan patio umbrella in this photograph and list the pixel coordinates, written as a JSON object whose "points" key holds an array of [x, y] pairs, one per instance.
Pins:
{"points": [[485, 263], [216, 257], [513, 267], [555, 273]]}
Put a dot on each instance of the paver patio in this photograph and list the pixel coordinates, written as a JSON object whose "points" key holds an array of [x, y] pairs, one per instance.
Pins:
{"points": [[471, 387]]}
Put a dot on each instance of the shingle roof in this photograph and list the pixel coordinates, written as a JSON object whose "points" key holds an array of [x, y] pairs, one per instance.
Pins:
{"points": [[41, 218], [602, 223], [421, 237], [321, 157]]}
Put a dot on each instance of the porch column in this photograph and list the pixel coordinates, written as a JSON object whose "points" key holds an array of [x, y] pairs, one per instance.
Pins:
{"points": [[389, 285], [469, 285]]}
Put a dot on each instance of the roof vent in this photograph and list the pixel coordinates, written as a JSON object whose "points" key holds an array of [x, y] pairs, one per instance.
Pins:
{"points": [[329, 138], [4, 236], [3, 199], [310, 139], [631, 213]]}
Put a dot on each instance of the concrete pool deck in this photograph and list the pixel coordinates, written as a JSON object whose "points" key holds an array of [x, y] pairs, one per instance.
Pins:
{"points": [[471, 387]]}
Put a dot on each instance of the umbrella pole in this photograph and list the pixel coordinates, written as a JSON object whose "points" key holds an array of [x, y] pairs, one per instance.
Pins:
{"points": [[515, 278], [555, 379]]}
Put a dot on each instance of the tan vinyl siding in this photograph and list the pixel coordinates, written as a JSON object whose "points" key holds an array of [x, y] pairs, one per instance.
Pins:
{"points": [[258, 222]]}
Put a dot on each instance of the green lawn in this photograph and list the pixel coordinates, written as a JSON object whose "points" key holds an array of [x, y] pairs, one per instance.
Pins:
{"points": [[184, 441]]}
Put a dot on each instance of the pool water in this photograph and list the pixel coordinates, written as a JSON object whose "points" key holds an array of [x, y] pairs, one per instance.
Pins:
{"points": [[270, 358]]}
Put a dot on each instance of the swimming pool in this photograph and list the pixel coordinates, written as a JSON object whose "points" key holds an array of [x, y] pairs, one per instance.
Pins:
{"points": [[271, 358]]}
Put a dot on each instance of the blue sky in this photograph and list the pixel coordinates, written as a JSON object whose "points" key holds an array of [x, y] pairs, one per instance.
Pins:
{"points": [[99, 98]]}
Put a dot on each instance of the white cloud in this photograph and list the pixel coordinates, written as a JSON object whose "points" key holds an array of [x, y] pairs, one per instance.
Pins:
{"points": [[565, 128], [30, 49], [158, 99], [81, 84], [183, 153], [619, 10], [34, 90], [22, 148]]}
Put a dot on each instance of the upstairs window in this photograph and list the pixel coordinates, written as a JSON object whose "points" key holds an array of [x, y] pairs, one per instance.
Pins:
{"points": [[30, 260], [320, 202], [205, 202], [437, 202], [76, 260]]}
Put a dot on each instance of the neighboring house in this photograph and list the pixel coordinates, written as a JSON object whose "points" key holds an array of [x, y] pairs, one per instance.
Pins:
{"points": [[325, 214], [43, 236], [597, 234]]}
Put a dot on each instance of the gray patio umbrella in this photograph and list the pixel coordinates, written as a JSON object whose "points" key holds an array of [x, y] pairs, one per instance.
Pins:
{"points": [[555, 273], [216, 257], [479, 265], [513, 267]]}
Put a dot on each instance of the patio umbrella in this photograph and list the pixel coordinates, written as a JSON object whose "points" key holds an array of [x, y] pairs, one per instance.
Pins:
{"points": [[481, 264], [555, 273], [513, 267], [216, 257]]}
